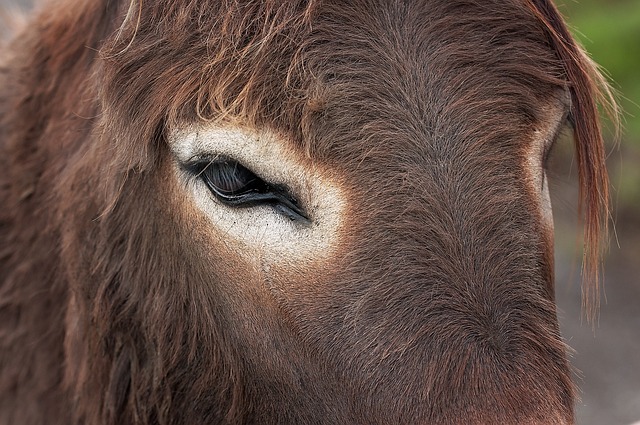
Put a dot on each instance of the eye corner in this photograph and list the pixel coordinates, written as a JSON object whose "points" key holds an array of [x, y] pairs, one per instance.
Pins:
{"points": [[297, 216]]}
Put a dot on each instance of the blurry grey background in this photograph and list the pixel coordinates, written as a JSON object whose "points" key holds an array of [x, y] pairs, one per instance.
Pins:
{"points": [[607, 359]]}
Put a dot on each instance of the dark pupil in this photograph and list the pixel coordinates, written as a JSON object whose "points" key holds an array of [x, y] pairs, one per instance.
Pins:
{"points": [[230, 178]]}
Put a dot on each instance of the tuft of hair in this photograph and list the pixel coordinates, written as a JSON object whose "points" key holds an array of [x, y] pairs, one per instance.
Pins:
{"points": [[589, 89]]}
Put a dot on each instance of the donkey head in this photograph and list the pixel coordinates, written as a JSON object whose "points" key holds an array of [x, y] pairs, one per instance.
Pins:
{"points": [[313, 212]]}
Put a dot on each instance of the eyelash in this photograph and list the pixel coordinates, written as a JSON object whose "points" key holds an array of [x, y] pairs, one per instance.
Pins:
{"points": [[236, 186]]}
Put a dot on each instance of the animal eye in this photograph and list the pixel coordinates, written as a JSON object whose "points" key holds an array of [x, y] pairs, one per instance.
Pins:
{"points": [[547, 154], [230, 179], [235, 185]]}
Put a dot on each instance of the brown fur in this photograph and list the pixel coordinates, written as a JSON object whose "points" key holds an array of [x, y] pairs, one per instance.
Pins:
{"points": [[438, 307]]}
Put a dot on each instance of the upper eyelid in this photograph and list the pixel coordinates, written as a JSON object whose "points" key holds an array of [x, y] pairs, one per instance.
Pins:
{"points": [[194, 165], [198, 159]]}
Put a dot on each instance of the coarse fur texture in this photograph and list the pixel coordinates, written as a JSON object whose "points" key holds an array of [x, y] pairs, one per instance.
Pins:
{"points": [[119, 304]]}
